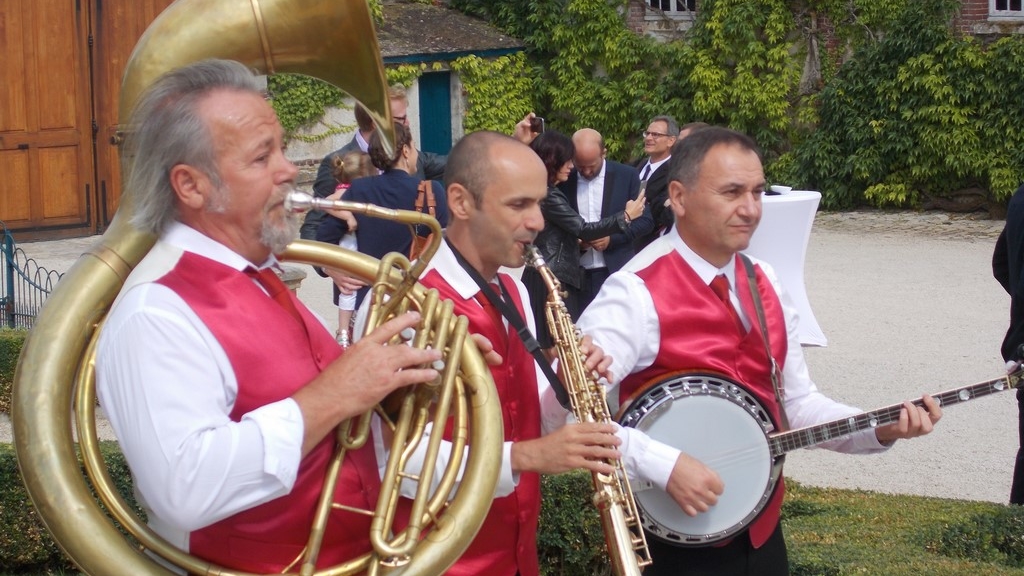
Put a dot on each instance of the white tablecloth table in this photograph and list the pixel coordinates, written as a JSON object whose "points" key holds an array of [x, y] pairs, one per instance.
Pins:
{"points": [[781, 240]]}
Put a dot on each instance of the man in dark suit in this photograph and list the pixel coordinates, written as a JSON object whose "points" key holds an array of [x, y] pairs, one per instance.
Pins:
{"points": [[1008, 269], [595, 189], [429, 166], [325, 183], [659, 137]]}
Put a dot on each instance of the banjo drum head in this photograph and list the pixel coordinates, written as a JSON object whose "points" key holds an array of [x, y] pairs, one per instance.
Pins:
{"points": [[722, 425]]}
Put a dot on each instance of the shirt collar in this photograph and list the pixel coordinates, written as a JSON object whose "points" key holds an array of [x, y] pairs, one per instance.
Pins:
{"points": [[656, 165], [191, 240], [704, 269], [448, 267], [363, 144]]}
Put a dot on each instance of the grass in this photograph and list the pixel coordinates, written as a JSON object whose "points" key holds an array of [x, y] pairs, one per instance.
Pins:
{"points": [[843, 532]]}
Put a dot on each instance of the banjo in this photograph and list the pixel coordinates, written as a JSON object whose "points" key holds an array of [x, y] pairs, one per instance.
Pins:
{"points": [[717, 421]]}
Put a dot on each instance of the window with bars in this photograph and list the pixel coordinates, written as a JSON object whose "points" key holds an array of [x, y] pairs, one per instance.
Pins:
{"points": [[1006, 7], [683, 5]]}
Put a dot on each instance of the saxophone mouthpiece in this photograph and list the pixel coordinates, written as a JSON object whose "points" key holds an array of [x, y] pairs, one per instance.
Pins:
{"points": [[533, 257], [298, 202]]}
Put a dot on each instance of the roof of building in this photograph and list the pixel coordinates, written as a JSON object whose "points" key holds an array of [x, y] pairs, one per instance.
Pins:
{"points": [[416, 32]]}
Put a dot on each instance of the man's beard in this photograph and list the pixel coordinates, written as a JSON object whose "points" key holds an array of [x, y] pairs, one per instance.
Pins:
{"points": [[277, 234]]}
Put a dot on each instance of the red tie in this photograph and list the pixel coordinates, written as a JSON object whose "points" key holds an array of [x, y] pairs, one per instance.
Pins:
{"points": [[276, 289], [721, 287], [485, 303]]}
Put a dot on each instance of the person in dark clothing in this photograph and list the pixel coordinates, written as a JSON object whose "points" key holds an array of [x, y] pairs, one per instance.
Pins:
{"points": [[396, 187], [1007, 267], [559, 241]]}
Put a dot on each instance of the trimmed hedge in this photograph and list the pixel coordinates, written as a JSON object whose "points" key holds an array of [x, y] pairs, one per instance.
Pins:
{"points": [[830, 532], [26, 547]]}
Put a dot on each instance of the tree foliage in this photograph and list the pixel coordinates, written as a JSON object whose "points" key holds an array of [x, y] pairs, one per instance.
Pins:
{"points": [[869, 101], [918, 115]]}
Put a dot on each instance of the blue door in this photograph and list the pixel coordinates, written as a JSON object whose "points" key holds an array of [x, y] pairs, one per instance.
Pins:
{"points": [[436, 112]]}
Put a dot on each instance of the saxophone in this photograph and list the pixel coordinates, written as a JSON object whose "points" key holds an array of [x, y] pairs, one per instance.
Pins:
{"points": [[627, 545]]}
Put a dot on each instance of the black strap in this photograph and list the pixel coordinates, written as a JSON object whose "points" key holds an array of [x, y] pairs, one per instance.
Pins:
{"points": [[752, 284], [516, 321]]}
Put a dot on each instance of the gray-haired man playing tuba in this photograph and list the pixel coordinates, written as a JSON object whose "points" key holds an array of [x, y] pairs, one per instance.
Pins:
{"points": [[221, 387]]}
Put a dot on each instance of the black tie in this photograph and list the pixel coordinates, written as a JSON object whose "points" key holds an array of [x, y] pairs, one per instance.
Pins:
{"points": [[647, 172]]}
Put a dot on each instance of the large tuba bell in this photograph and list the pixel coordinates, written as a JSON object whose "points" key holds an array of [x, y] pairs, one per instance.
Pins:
{"points": [[54, 388]]}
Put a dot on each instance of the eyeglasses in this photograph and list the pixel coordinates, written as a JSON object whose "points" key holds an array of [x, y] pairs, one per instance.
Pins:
{"points": [[655, 135]]}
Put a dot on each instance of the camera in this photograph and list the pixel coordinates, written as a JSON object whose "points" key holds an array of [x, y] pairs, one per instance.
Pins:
{"points": [[536, 124]]}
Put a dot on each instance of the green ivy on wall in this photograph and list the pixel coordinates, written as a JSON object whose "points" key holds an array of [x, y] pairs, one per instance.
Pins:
{"points": [[504, 80], [889, 107], [919, 116], [301, 101]]}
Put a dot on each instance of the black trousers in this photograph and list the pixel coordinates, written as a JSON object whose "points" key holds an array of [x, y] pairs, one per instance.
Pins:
{"points": [[1017, 488], [593, 278], [737, 558]]}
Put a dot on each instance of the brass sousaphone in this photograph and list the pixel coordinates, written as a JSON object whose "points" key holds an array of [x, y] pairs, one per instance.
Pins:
{"points": [[333, 40]]}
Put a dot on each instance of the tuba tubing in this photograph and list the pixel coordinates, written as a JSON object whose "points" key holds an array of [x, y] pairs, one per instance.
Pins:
{"points": [[271, 36]]}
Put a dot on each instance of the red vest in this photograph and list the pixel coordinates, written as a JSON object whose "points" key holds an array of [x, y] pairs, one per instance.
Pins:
{"points": [[507, 542], [273, 356], [708, 341]]}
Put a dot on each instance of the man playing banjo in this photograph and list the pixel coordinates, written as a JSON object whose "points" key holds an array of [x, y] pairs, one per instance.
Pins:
{"points": [[693, 287]]}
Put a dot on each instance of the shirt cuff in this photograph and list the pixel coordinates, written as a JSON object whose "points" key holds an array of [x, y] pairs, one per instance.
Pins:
{"points": [[507, 479], [648, 462], [282, 428]]}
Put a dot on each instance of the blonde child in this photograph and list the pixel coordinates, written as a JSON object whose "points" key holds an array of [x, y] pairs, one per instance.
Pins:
{"points": [[345, 168]]}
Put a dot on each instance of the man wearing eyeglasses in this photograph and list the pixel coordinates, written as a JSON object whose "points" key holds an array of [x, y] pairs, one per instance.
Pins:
{"points": [[659, 137]]}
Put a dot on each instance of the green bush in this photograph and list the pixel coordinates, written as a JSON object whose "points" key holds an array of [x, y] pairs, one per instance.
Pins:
{"points": [[830, 532], [920, 115], [11, 342], [996, 536], [570, 541]]}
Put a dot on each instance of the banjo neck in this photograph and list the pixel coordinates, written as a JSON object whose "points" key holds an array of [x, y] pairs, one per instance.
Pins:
{"points": [[783, 442]]}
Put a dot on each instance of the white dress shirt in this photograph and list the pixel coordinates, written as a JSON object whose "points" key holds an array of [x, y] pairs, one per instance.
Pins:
{"points": [[363, 144], [590, 200], [167, 387], [624, 322]]}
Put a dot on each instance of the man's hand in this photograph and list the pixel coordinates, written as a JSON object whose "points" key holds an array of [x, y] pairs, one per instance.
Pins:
{"points": [[491, 356], [694, 486], [522, 130], [362, 376], [914, 421], [595, 360], [345, 283], [635, 208], [571, 446], [600, 244]]}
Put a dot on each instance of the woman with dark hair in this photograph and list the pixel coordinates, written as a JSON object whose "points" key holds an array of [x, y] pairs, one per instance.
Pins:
{"points": [[558, 242], [395, 187]]}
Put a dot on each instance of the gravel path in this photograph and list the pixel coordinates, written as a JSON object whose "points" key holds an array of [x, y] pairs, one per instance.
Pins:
{"points": [[908, 304]]}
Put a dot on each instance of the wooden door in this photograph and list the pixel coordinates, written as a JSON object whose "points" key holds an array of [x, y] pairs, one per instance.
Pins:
{"points": [[46, 171], [117, 26]]}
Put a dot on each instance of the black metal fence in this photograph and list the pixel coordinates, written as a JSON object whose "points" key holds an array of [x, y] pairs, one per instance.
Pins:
{"points": [[24, 285]]}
